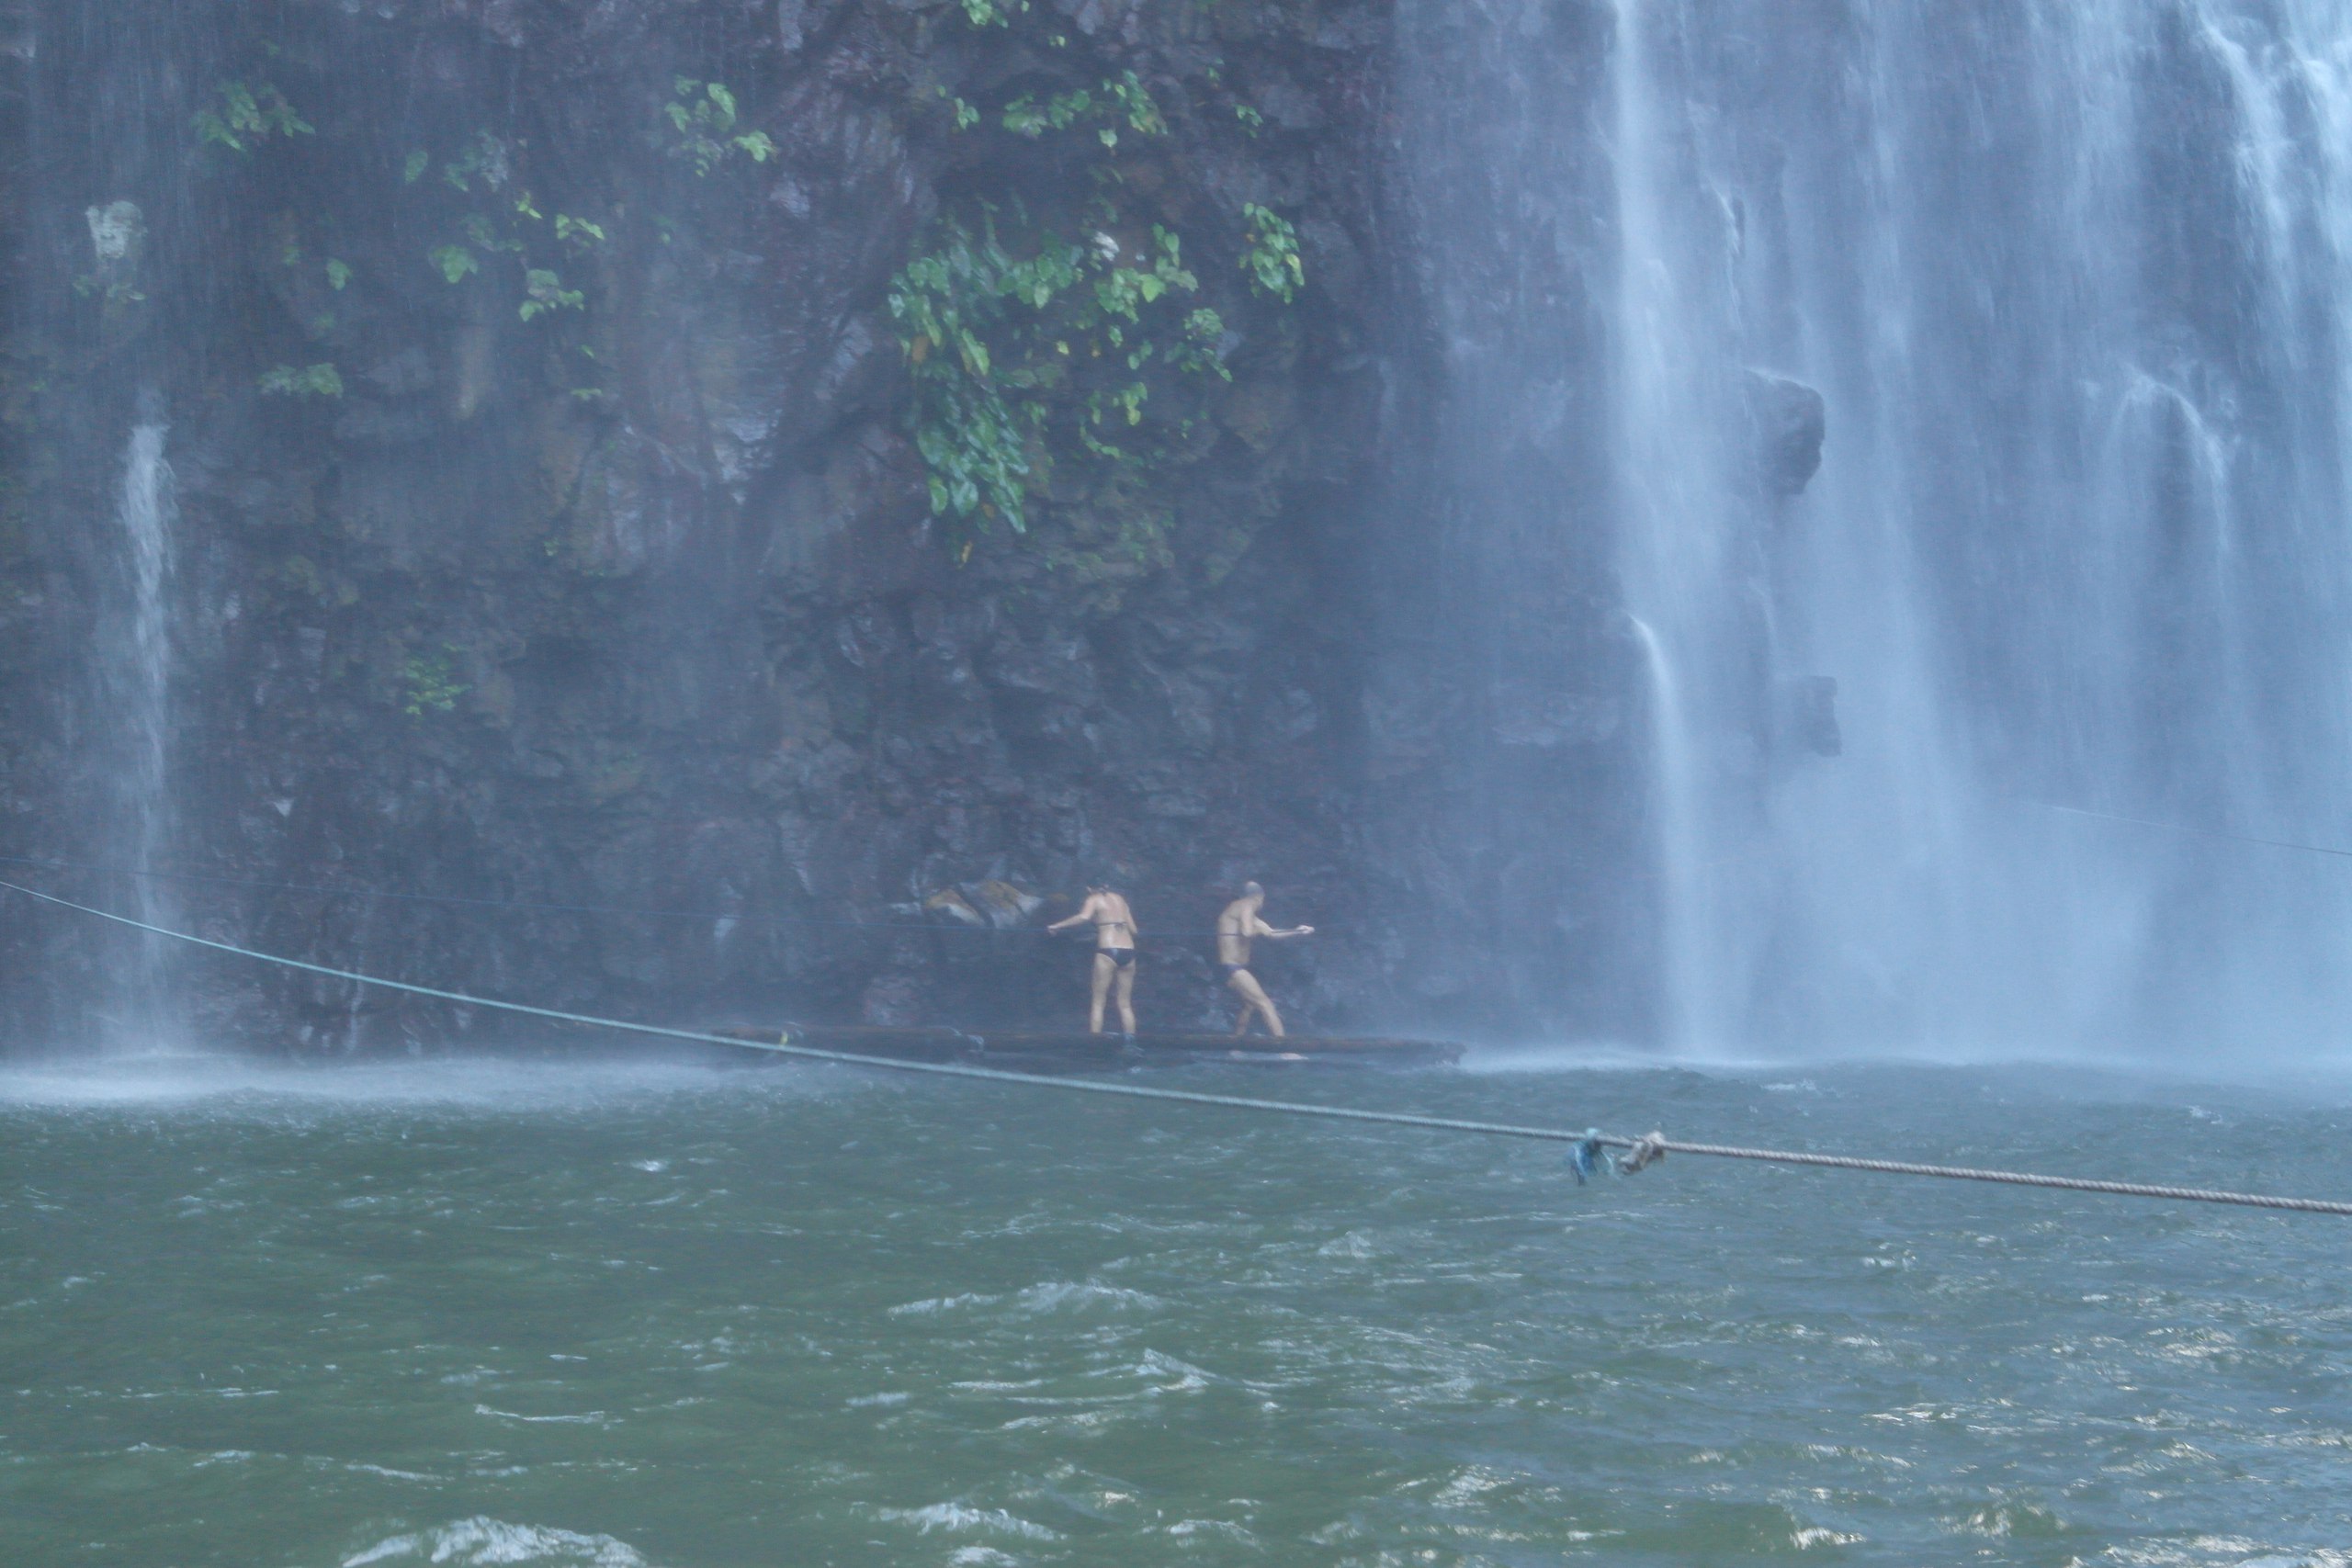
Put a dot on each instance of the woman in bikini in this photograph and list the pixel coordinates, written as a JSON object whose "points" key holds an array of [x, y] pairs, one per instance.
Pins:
{"points": [[1114, 953]]}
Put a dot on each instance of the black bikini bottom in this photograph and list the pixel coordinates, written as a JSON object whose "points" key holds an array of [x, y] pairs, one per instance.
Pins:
{"points": [[1124, 957]]}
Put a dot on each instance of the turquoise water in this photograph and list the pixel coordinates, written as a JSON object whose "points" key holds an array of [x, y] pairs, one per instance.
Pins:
{"points": [[582, 1313]]}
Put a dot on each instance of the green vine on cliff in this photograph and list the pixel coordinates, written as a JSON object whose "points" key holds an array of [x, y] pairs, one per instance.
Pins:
{"points": [[1028, 348], [1001, 341]]}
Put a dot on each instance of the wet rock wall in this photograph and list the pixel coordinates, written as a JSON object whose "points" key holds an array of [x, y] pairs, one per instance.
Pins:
{"points": [[630, 617]]}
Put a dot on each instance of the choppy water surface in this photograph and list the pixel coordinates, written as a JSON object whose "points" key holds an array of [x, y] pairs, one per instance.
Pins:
{"points": [[671, 1315]]}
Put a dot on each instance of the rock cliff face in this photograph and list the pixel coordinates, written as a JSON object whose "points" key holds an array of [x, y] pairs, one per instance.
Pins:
{"points": [[555, 525]]}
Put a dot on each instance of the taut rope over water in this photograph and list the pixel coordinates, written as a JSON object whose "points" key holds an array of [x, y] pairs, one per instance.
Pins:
{"points": [[1640, 1151]]}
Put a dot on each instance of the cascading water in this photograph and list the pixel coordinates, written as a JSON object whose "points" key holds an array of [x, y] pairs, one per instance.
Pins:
{"points": [[2080, 539], [138, 661], [2073, 282]]}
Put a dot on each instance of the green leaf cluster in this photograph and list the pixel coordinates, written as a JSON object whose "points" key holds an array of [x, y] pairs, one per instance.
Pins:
{"points": [[311, 381], [455, 262], [1031, 350], [1122, 100], [702, 116], [1269, 254], [429, 682], [544, 291], [509, 229], [972, 425], [248, 116], [1013, 346]]}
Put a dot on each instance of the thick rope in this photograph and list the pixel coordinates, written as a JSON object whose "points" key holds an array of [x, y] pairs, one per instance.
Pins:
{"points": [[1641, 1151], [2018, 1179]]}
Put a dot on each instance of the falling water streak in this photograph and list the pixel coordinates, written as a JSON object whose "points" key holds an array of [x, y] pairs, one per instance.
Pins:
{"points": [[2079, 528], [1641, 303], [1668, 461], [1678, 835], [147, 512]]}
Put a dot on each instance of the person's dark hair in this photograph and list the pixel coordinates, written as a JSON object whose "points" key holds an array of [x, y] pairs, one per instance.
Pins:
{"points": [[1251, 890]]}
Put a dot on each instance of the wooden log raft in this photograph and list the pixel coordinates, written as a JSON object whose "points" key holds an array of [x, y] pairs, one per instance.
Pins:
{"points": [[1073, 1050]]}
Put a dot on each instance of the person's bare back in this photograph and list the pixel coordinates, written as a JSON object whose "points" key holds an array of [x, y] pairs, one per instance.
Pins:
{"points": [[1237, 929], [1114, 953]]}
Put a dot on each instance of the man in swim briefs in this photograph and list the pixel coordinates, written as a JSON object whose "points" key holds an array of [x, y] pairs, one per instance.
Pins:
{"points": [[1114, 953], [1236, 929]]}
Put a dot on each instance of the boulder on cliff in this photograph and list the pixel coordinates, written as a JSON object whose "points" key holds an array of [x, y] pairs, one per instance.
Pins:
{"points": [[1788, 420]]}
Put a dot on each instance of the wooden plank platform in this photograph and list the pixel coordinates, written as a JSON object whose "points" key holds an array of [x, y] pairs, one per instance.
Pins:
{"points": [[1074, 1050]]}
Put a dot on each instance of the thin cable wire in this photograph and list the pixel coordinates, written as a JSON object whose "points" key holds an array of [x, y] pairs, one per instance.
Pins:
{"points": [[2186, 828], [452, 899], [784, 1047], [958, 928], [2017, 1178]]}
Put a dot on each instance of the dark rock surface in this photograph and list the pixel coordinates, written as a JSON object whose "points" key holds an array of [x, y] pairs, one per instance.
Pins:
{"points": [[640, 607], [1790, 421]]}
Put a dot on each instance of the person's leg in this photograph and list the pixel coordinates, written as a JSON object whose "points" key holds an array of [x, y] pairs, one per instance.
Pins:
{"points": [[1240, 1019], [1126, 991], [1255, 995], [1103, 970]]}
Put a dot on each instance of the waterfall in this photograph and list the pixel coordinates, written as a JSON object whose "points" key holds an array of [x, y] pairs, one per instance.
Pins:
{"points": [[139, 663], [2073, 282]]}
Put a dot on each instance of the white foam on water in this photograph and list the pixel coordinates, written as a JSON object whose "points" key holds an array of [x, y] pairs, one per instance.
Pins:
{"points": [[935, 1305], [482, 1540], [1183, 1377], [958, 1517], [233, 1085], [586, 1419], [1061, 1295]]}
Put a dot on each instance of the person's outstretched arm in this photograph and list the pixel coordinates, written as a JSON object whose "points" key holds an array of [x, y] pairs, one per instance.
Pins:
{"points": [[1266, 930], [1085, 913]]}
